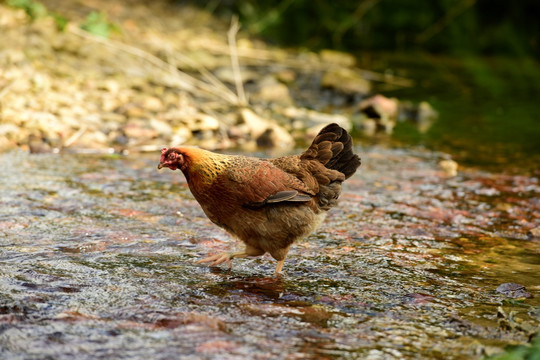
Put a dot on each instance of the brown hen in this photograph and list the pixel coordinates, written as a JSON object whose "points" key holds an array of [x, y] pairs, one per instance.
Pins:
{"points": [[267, 203]]}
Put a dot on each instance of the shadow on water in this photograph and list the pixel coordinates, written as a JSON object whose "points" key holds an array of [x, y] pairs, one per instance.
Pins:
{"points": [[98, 260]]}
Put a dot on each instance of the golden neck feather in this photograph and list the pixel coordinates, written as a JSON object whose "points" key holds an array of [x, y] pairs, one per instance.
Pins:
{"points": [[205, 166]]}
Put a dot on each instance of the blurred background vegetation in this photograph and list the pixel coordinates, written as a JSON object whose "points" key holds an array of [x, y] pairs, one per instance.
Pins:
{"points": [[486, 27], [475, 61]]}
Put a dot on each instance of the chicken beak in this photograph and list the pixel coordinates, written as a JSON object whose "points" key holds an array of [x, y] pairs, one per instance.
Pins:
{"points": [[160, 166]]}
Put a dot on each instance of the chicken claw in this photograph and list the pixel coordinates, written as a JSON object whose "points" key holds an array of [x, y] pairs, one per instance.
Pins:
{"points": [[217, 259]]}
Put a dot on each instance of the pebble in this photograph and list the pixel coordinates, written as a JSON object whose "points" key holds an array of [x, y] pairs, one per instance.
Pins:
{"points": [[380, 106], [535, 232], [152, 103], [137, 130], [226, 75], [449, 167], [161, 127], [305, 118], [513, 290], [273, 92], [203, 122], [337, 57], [52, 82], [275, 137], [346, 81]]}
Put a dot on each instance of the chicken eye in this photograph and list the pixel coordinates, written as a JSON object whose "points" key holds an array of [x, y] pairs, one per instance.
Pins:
{"points": [[172, 156]]}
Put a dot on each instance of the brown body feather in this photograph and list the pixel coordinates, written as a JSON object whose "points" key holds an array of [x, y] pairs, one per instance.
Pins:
{"points": [[268, 204]]}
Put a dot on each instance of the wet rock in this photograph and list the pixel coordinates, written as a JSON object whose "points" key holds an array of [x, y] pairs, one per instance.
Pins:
{"points": [[286, 76], [200, 58], [113, 118], [21, 85], [203, 122], [180, 135], [504, 207], [217, 346], [369, 127], [380, 114], [92, 140], [76, 79], [38, 145], [314, 121], [489, 191], [426, 115], [133, 111], [275, 137], [380, 106], [273, 92], [337, 58], [41, 82], [47, 124], [9, 131], [12, 56], [174, 321], [418, 299], [449, 167], [226, 75], [73, 316], [509, 322], [152, 103], [312, 314], [534, 233], [161, 127], [138, 130], [248, 146], [238, 132], [84, 248], [346, 81], [118, 138], [270, 134], [6, 144], [111, 86], [57, 337], [513, 290], [422, 115]]}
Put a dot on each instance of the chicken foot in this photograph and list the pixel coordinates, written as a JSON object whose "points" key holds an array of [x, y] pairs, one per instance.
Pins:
{"points": [[226, 257], [220, 258]]}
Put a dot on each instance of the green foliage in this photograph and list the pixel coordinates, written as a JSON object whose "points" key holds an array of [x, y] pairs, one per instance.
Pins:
{"points": [[522, 352], [96, 23], [476, 27], [34, 9], [60, 21]]}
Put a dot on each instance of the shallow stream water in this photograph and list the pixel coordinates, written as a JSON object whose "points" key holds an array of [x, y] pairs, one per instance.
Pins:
{"points": [[97, 260]]}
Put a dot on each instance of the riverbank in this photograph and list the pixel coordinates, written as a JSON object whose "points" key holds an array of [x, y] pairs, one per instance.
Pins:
{"points": [[129, 77]]}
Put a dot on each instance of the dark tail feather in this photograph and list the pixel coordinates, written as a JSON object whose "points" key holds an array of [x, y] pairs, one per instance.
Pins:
{"points": [[333, 147]]}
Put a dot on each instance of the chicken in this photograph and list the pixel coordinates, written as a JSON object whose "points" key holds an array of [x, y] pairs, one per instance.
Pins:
{"points": [[267, 203]]}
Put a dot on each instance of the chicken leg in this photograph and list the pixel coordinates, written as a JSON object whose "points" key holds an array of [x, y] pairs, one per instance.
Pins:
{"points": [[279, 267], [280, 256]]}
